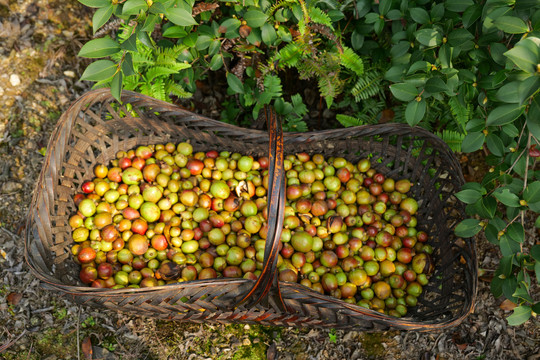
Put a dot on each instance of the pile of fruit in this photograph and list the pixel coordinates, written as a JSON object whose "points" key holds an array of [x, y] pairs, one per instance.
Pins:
{"points": [[162, 214]]}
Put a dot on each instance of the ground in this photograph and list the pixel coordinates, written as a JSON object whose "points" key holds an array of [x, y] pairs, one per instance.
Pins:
{"points": [[38, 80]]}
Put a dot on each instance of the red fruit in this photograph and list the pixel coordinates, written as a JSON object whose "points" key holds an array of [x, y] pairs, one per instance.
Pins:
{"points": [[124, 163], [534, 152], [88, 187], [422, 236], [343, 174], [77, 198], [195, 166], [86, 255], [368, 181], [130, 213], [404, 255], [139, 226], [88, 274], [379, 178], [212, 154], [263, 162], [159, 242], [375, 189], [138, 163]]}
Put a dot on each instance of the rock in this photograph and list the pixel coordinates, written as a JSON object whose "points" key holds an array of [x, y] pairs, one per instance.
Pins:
{"points": [[69, 73], [15, 80], [11, 187], [1, 91]]}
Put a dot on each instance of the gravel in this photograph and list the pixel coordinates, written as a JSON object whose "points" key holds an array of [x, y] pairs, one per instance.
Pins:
{"points": [[38, 324]]}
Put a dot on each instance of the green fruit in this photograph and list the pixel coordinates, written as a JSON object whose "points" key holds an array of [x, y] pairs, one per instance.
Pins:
{"points": [[150, 211], [302, 241], [87, 207], [219, 189], [132, 176], [245, 163]]}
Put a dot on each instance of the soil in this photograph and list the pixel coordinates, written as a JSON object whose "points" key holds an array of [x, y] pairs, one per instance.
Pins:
{"points": [[39, 69]]}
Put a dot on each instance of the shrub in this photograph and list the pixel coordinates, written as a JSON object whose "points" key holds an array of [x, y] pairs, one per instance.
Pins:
{"points": [[467, 70]]}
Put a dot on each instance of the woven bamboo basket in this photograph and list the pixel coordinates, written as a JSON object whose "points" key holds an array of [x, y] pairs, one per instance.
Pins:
{"points": [[96, 127]]}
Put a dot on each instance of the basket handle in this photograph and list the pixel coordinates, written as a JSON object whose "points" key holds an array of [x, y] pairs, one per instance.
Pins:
{"points": [[276, 205]]}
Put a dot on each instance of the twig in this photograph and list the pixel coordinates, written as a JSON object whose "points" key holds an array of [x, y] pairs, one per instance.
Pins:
{"points": [[6, 346]]}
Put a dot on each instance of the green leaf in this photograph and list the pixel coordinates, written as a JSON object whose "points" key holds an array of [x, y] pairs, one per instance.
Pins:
{"points": [[378, 26], [435, 85], [495, 144], [99, 70], [235, 83], [516, 232], [127, 65], [506, 197], [255, 18], [496, 287], [150, 23], [419, 15], [229, 25], [352, 61], [99, 48], [470, 15], [532, 117], [458, 5], [509, 93], [101, 16], [404, 91], [505, 265], [348, 121], [508, 246], [175, 32], [130, 44], [116, 86], [521, 314], [429, 37], [509, 286], [469, 196], [415, 111], [511, 25], [217, 62], [535, 253], [523, 57], [504, 114], [268, 34], [145, 39], [95, 3], [180, 17], [133, 7], [532, 192], [384, 6], [468, 228], [473, 141]]}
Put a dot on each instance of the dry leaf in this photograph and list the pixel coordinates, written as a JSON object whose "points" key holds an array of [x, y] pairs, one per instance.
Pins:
{"points": [[507, 305], [14, 298], [87, 348], [461, 346]]}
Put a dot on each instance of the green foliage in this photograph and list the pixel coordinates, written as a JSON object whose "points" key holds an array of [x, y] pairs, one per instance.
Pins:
{"points": [[253, 43], [467, 70]]}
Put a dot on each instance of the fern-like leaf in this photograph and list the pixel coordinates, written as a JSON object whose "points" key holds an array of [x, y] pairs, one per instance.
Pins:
{"points": [[320, 17], [454, 139], [177, 90], [348, 121], [459, 111], [368, 86], [352, 61]]}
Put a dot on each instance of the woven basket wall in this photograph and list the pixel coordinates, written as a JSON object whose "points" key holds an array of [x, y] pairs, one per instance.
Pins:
{"points": [[96, 127]]}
